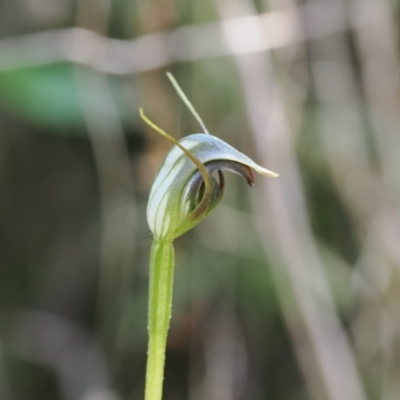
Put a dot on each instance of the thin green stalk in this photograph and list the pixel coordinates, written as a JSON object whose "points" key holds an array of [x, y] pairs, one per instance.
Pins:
{"points": [[160, 301]]}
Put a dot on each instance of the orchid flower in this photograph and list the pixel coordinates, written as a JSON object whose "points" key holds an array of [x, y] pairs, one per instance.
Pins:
{"points": [[184, 192]]}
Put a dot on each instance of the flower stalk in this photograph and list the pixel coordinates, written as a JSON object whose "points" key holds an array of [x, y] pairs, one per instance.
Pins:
{"points": [[160, 301]]}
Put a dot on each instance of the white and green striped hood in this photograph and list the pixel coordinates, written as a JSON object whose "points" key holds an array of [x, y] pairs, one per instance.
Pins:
{"points": [[178, 201]]}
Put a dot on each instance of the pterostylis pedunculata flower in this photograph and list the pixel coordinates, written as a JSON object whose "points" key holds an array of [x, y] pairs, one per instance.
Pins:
{"points": [[184, 192]]}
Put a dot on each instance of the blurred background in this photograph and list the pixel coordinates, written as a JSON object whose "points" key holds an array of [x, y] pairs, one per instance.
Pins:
{"points": [[291, 289]]}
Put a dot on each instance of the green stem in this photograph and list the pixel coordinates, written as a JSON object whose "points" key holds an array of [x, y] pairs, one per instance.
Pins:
{"points": [[160, 300]]}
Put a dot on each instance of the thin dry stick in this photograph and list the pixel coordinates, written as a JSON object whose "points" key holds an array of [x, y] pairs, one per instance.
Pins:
{"points": [[294, 245], [114, 174], [378, 50], [152, 51]]}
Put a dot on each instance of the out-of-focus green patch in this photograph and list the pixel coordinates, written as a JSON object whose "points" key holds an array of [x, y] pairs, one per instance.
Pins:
{"points": [[48, 96], [44, 95], [339, 274], [256, 289]]}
